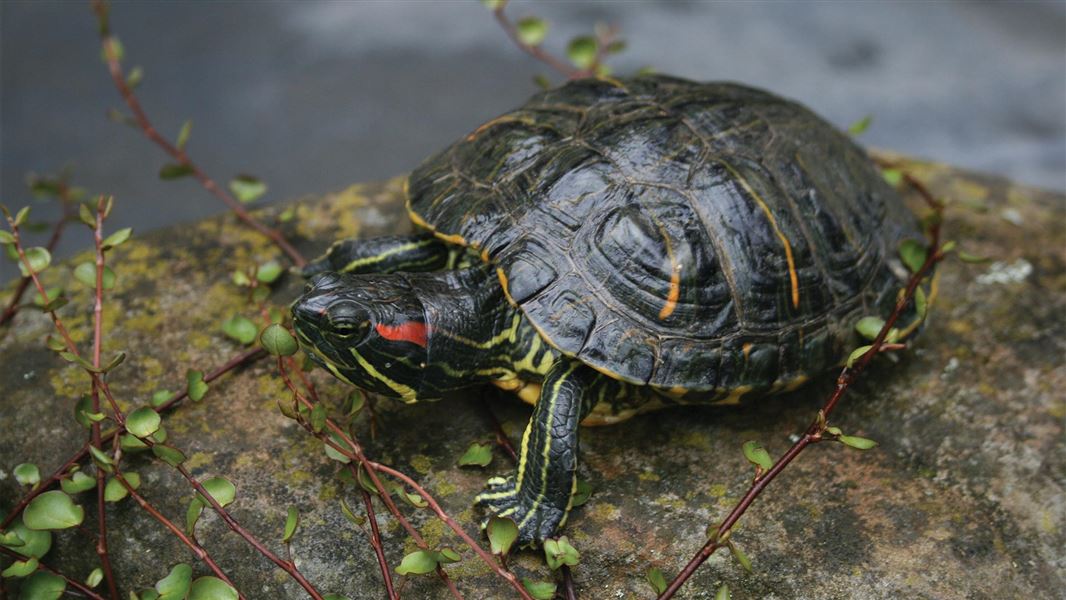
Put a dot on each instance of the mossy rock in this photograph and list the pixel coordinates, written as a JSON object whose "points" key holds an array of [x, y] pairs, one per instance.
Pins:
{"points": [[962, 499]]}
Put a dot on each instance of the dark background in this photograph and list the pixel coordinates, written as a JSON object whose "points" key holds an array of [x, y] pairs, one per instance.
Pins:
{"points": [[313, 96]]}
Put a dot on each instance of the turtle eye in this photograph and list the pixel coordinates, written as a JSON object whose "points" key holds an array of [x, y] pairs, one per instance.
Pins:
{"points": [[351, 329], [349, 320]]}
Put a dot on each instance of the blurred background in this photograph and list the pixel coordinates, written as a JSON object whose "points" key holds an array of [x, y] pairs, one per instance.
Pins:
{"points": [[314, 96]]}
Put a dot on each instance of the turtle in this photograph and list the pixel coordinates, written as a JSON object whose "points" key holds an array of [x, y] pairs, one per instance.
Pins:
{"points": [[611, 247]]}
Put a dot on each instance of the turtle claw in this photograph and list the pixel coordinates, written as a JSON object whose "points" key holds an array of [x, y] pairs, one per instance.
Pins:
{"points": [[536, 521]]}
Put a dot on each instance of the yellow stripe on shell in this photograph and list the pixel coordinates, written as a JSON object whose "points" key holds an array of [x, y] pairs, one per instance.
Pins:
{"points": [[793, 278]]}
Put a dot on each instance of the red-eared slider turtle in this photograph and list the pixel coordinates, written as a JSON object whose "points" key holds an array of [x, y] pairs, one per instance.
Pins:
{"points": [[612, 247]]}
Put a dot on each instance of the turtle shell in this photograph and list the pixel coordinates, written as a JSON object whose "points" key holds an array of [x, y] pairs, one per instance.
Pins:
{"points": [[694, 236]]}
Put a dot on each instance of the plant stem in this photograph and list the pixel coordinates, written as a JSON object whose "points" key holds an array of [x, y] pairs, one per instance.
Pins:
{"points": [[179, 154]]}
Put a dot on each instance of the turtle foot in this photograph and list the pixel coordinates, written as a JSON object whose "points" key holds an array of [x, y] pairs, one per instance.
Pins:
{"points": [[536, 517]]}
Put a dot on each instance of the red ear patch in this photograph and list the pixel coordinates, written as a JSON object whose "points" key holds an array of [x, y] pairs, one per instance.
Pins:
{"points": [[411, 331]]}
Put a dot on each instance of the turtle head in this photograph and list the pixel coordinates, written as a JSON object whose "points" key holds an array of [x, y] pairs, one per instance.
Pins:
{"points": [[368, 330]]}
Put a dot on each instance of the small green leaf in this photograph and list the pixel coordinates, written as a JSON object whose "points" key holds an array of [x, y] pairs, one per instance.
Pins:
{"points": [[738, 554], [893, 176], [86, 215], [869, 327], [48, 301], [479, 455], [115, 491], [287, 215], [332, 452], [418, 562], [211, 588], [965, 256], [541, 590], [196, 386], [277, 341], [494, 4], [161, 397], [447, 555], [531, 30], [22, 215], [118, 238], [921, 303], [183, 134], [351, 516], [168, 454], [318, 417], [102, 459], [913, 254], [582, 51], [722, 593], [856, 354], [175, 171], [247, 188], [582, 492], [833, 430], [142, 422], [42, 585], [240, 329], [656, 580], [502, 533], [53, 510], [356, 401], [291, 521], [6, 237], [77, 482], [135, 78], [86, 273], [176, 584], [268, 272], [38, 259], [192, 515], [757, 455], [859, 443], [27, 474], [95, 577], [220, 489], [27, 542], [55, 343], [860, 126], [241, 278], [20, 568], [412, 498], [146, 595], [559, 552]]}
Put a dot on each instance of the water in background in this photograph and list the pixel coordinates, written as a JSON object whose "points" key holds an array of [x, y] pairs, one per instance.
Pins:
{"points": [[313, 96]]}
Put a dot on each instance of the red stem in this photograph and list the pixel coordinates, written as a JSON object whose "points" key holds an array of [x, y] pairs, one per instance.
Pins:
{"points": [[71, 582], [536, 51], [237, 361], [375, 541], [178, 154], [198, 551], [13, 306], [355, 452]]}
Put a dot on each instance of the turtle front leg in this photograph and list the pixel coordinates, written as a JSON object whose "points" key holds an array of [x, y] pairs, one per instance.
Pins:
{"points": [[538, 497], [420, 252]]}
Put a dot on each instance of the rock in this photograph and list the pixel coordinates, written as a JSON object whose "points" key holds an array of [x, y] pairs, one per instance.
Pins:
{"points": [[963, 498]]}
